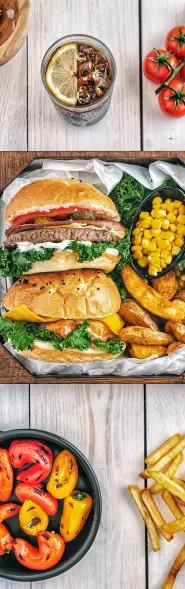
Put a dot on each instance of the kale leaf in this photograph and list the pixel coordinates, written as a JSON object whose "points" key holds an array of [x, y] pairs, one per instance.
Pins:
{"points": [[15, 263], [127, 196], [111, 346]]}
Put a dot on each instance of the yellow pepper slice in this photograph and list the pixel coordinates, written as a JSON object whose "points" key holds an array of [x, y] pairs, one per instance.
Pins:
{"points": [[114, 322], [76, 510]]}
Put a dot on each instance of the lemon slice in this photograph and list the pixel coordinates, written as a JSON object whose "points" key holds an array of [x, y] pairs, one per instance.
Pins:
{"points": [[61, 73]]}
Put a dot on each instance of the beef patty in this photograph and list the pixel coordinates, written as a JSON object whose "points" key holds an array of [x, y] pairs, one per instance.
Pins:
{"points": [[57, 234]]}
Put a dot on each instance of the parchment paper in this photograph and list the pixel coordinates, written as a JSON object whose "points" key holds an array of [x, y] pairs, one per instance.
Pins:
{"points": [[104, 176]]}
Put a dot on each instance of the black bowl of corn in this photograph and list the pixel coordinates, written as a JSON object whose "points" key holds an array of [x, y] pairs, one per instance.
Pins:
{"points": [[158, 232]]}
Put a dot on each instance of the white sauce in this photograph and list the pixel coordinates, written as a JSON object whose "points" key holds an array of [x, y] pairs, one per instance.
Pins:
{"points": [[26, 246]]}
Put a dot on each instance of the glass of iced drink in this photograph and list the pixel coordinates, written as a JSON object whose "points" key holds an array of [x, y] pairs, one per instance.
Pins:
{"points": [[79, 72]]}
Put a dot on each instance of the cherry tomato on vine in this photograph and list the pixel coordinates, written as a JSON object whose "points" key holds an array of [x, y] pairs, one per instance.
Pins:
{"points": [[172, 99], [182, 73], [175, 41], [158, 64]]}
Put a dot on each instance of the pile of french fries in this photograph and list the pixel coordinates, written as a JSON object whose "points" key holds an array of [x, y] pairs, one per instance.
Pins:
{"points": [[162, 465]]}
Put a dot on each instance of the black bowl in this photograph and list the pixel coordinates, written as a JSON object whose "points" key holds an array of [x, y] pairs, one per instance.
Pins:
{"points": [[75, 550], [164, 192]]}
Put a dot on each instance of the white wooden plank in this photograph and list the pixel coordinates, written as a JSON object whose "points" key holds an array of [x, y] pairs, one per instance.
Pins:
{"points": [[13, 112], [160, 132], [106, 424], [14, 402], [165, 416], [117, 26]]}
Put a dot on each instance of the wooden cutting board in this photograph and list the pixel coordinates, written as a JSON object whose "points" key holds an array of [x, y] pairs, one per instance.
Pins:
{"points": [[14, 16]]}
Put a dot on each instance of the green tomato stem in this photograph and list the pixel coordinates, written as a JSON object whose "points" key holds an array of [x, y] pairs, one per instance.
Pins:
{"points": [[170, 77]]}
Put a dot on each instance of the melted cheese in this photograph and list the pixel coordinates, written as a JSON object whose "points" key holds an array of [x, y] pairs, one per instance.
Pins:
{"points": [[22, 313]]}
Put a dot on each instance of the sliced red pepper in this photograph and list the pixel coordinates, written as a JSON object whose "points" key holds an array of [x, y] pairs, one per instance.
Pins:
{"points": [[31, 451], [48, 503], [60, 212], [50, 551], [6, 475], [8, 510], [6, 540]]}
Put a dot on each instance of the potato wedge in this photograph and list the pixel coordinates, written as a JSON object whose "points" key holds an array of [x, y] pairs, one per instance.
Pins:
{"points": [[144, 336], [142, 352], [149, 298], [178, 330], [166, 285], [134, 314], [180, 295], [169, 583], [174, 347]]}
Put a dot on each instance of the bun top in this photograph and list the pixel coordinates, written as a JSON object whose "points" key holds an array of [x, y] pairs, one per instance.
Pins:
{"points": [[76, 294], [46, 195]]}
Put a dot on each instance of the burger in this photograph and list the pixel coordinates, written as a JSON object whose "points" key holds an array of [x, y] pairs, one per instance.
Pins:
{"points": [[63, 317], [61, 224]]}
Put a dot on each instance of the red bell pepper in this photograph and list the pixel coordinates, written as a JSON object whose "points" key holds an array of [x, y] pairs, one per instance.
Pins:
{"points": [[50, 551], [37, 494], [6, 475], [8, 510], [31, 451], [6, 540]]}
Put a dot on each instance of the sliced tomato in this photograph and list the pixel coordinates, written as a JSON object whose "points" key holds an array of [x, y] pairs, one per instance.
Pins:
{"points": [[61, 212]]}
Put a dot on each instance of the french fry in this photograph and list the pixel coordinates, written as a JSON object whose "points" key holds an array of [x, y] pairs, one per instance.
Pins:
{"points": [[154, 537], [176, 526], [163, 449], [182, 484], [169, 472], [175, 569], [168, 484], [171, 503], [165, 460], [155, 513]]}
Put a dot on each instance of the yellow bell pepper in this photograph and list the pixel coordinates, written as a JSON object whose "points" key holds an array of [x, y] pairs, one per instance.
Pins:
{"points": [[32, 518], [64, 475], [76, 510]]}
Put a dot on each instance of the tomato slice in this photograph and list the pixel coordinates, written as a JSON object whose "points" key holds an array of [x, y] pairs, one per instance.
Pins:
{"points": [[61, 212]]}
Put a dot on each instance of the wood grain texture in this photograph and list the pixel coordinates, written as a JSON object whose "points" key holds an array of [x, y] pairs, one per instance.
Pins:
{"points": [[165, 416], [103, 422], [14, 42], [13, 112], [159, 131], [121, 127]]}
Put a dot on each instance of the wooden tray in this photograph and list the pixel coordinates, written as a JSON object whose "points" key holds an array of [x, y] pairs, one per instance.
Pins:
{"points": [[11, 165]]}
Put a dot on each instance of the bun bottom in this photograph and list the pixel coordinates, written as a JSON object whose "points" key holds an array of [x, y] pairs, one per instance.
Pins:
{"points": [[67, 356], [68, 260]]}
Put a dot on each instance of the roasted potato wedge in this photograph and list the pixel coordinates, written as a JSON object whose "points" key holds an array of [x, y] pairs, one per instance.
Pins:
{"points": [[149, 298], [178, 330], [145, 336], [142, 352], [134, 314], [166, 285], [174, 347], [180, 295]]}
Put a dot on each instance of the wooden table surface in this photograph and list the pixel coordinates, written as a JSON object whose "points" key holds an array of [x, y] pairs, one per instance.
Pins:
{"points": [[28, 119]]}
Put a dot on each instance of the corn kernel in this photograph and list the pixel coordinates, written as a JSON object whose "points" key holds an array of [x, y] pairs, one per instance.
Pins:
{"points": [[163, 206], [181, 219], [165, 224], [137, 240], [147, 234], [162, 243], [145, 243], [164, 254], [136, 248], [137, 255], [143, 215], [169, 259], [177, 204], [170, 207], [157, 200], [179, 241], [181, 230], [146, 223], [145, 252], [138, 224], [176, 250], [168, 201], [156, 224], [163, 264], [171, 217], [159, 214], [152, 271], [143, 262], [135, 232], [173, 227], [175, 212], [152, 246], [155, 261], [182, 209], [169, 236], [155, 232]]}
